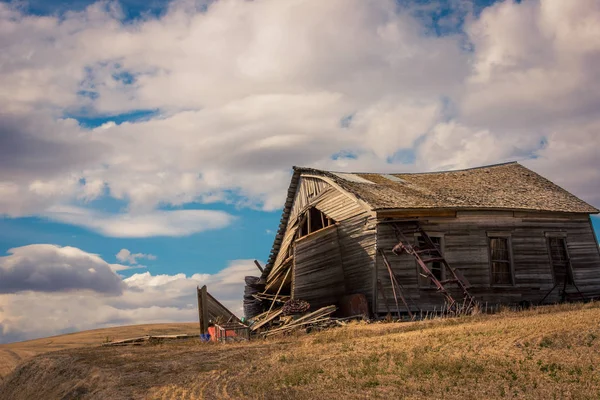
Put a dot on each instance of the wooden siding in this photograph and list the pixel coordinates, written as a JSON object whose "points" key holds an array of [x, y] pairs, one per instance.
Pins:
{"points": [[356, 235], [355, 232], [466, 248], [308, 189], [318, 273]]}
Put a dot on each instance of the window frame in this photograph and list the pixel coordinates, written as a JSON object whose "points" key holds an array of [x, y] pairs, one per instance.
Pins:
{"points": [[563, 236], [429, 285], [511, 262], [305, 218]]}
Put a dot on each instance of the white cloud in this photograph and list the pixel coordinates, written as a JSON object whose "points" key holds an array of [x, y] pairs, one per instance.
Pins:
{"points": [[145, 298], [51, 268], [245, 90], [127, 256], [153, 223]]}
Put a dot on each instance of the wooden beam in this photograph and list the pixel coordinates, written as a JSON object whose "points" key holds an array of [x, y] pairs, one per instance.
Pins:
{"points": [[279, 290], [415, 213], [203, 309], [394, 284], [258, 265]]}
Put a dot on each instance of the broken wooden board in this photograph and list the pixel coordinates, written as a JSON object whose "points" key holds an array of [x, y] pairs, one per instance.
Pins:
{"points": [[141, 339], [210, 310]]}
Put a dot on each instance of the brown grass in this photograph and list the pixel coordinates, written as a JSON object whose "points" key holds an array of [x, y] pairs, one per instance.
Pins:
{"points": [[544, 353], [13, 353]]}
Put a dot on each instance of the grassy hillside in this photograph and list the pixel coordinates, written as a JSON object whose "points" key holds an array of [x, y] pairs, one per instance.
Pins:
{"points": [[545, 353], [14, 353]]}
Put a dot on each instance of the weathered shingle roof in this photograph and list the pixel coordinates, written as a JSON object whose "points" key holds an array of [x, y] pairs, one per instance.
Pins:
{"points": [[508, 186]]}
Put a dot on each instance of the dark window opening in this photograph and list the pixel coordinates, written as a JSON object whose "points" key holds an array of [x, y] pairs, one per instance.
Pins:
{"points": [[500, 261], [560, 260], [313, 220], [436, 267]]}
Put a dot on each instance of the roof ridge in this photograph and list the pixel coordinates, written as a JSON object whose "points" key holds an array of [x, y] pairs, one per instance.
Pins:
{"points": [[297, 168]]}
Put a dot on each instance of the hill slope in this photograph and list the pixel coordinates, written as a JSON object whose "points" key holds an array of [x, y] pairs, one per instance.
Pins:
{"points": [[13, 353], [550, 352]]}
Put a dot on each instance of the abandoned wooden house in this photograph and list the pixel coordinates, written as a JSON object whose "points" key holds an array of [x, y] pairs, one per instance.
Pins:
{"points": [[499, 234]]}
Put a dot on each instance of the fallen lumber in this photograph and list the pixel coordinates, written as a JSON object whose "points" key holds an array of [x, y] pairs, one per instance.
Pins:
{"points": [[141, 339], [316, 317], [269, 318]]}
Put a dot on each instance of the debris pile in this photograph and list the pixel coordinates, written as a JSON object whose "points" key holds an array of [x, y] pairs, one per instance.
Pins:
{"points": [[148, 338], [274, 322], [292, 307], [252, 304]]}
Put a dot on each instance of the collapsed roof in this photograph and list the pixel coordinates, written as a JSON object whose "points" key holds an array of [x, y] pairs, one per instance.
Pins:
{"points": [[508, 186]]}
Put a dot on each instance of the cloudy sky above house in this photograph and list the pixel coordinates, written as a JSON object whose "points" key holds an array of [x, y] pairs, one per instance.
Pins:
{"points": [[146, 146]]}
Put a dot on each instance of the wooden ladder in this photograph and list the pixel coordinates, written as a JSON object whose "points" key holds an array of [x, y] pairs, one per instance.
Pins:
{"points": [[431, 253]]}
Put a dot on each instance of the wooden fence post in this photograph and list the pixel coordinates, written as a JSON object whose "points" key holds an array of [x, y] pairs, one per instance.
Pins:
{"points": [[202, 309]]}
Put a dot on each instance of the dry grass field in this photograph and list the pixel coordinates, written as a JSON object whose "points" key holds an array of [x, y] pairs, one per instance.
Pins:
{"points": [[544, 353], [14, 353]]}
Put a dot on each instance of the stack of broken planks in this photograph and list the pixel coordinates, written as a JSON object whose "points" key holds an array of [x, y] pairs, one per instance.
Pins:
{"points": [[147, 338], [272, 322], [271, 297]]}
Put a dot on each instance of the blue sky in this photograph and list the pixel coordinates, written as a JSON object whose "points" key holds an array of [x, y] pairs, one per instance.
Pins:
{"points": [[170, 128]]}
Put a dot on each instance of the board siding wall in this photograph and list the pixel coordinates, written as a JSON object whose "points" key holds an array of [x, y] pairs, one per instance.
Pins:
{"points": [[308, 190], [356, 235], [466, 248], [318, 273], [355, 232]]}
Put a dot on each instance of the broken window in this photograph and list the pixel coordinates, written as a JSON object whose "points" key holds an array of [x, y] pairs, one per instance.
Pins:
{"points": [[501, 268], [436, 267], [559, 257], [313, 220]]}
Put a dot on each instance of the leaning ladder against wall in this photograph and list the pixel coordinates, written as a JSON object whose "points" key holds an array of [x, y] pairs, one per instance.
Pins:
{"points": [[429, 252]]}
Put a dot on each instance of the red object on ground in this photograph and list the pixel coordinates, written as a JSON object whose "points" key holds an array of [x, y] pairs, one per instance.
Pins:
{"points": [[355, 304], [213, 333]]}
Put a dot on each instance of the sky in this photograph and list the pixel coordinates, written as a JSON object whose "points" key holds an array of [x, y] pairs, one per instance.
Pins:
{"points": [[146, 146]]}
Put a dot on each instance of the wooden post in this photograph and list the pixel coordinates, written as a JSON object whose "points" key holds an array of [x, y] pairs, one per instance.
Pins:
{"points": [[394, 284], [258, 265], [202, 309], [279, 290], [199, 309]]}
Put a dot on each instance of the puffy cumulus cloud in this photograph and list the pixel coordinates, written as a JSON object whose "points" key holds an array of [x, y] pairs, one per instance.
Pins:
{"points": [[127, 256], [453, 145], [243, 90], [536, 78], [41, 159], [145, 298], [153, 223], [51, 268], [535, 63], [574, 149]]}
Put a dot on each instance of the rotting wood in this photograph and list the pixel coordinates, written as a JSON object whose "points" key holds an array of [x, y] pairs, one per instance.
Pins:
{"points": [[279, 290], [435, 254], [210, 310], [268, 318], [203, 309], [141, 339], [396, 283], [382, 291], [315, 317]]}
